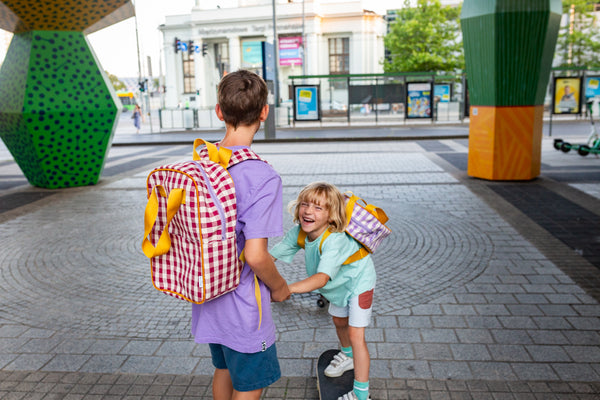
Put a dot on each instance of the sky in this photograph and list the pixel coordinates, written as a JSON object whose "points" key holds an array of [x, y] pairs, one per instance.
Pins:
{"points": [[116, 46]]}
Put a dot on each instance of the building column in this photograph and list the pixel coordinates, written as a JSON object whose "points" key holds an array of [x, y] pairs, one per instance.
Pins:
{"points": [[235, 53], [200, 64], [313, 50], [508, 52], [171, 88]]}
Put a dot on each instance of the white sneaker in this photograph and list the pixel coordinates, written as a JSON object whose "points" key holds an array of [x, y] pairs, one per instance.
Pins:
{"points": [[340, 364], [351, 396]]}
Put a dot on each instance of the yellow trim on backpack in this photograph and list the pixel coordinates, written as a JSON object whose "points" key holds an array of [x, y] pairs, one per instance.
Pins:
{"points": [[175, 199], [220, 155]]}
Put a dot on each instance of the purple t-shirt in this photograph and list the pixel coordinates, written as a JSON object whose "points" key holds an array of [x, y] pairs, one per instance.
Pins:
{"points": [[232, 319]]}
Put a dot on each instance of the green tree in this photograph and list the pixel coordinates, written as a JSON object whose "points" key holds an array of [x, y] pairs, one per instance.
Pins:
{"points": [[425, 38], [116, 82], [578, 42]]}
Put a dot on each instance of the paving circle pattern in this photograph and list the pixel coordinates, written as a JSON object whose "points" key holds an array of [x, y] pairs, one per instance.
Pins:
{"points": [[50, 276]]}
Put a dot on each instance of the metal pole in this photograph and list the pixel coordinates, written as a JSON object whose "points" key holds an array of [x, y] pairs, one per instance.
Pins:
{"points": [[276, 58], [137, 41], [303, 42], [551, 103]]}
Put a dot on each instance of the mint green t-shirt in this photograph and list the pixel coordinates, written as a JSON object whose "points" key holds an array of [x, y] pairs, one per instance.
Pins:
{"points": [[346, 281]]}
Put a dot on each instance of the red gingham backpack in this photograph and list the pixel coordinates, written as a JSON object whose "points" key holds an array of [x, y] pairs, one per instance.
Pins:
{"points": [[190, 222]]}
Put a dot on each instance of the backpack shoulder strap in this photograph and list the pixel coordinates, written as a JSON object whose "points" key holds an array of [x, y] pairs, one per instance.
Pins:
{"points": [[243, 155], [302, 239], [359, 254]]}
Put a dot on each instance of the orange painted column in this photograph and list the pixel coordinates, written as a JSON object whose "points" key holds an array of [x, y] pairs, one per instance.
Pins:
{"points": [[505, 142]]}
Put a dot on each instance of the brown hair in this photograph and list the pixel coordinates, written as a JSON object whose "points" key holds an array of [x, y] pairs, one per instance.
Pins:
{"points": [[242, 96], [334, 202]]}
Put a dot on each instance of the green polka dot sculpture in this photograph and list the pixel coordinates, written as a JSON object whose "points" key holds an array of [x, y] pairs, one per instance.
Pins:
{"points": [[58, 110]]}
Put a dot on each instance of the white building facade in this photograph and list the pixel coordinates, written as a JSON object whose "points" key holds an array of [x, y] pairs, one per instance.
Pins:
{"points": [[219, 36]]}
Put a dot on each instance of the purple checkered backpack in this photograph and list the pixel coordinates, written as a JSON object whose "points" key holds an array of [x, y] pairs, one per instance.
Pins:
{"points": [[366, 224], [189, 225]]}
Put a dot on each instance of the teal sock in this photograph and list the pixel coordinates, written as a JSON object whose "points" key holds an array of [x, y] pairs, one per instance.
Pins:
{"points": [[361, 390], [347, 351]]}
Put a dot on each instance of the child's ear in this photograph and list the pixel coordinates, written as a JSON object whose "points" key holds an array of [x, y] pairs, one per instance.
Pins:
{"points": [[264, 113], [219, 112]]}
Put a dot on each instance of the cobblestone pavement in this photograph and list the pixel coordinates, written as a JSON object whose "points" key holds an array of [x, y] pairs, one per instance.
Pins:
{"points": [[478, 295]]}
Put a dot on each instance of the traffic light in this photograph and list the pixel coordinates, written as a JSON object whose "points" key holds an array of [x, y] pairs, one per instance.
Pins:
{"points": [[204, 49], [191, 47], [176, 45], [143, 85]]}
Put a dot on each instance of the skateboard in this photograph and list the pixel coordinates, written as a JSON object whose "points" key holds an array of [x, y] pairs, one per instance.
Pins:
{"points": [[332, 388]]}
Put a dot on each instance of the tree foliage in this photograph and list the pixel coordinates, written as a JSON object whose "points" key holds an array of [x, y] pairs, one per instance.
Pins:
{"points": [[578, 42], [116, 82], [425, 38]]}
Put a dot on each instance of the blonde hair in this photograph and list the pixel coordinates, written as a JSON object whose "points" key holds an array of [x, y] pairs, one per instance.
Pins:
{"points": [[316, 193]]}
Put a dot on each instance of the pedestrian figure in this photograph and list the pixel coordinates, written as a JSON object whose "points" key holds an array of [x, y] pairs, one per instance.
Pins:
{"points": [[137, 118]]}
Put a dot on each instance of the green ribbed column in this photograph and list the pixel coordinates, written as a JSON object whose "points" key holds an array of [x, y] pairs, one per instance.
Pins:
{"points": [[509, 45]]}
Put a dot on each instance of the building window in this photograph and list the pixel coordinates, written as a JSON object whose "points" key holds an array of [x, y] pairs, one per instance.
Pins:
{"points": [[339, 56], [189, 72], [222, 58]]}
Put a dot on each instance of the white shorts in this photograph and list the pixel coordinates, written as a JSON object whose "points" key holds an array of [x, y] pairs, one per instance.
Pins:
{"points": [[358, 310]]}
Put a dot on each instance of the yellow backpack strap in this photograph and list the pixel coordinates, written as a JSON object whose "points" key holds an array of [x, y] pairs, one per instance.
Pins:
{"points": [[257, 294], [350, 206], [376, 211], [360, 253], [325, 236], [220, 155], [174, 201], [301, 238], [258, 298]]}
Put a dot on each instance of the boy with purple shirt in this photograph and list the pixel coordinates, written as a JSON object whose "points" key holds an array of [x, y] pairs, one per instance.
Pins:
{"points": [[243, 350]]}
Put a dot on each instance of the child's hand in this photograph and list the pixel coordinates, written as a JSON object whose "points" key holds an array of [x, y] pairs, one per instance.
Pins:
{"points": [[281, 294], [293, 288]]}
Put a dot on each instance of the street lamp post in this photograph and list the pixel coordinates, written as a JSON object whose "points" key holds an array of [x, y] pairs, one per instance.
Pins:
{"points": [[303, 42], [275, 58]]}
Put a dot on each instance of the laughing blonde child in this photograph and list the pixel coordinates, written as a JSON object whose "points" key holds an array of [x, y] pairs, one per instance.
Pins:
{"points": [[320, 214]]}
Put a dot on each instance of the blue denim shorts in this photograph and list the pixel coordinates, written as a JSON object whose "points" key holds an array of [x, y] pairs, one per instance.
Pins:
{"points": [[248, 371]]}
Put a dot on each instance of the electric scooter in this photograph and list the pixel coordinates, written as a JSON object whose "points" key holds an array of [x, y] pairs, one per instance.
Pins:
{"points": [[591, 146]]}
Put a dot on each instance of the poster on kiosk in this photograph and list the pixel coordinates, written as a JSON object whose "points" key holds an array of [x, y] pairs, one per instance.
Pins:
{"points": [[419, 99], [567, 96], [306, 103]]}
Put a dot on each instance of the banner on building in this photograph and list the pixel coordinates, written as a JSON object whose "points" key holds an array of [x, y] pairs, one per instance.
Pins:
{"points": [[419, 99], [567, 96], [306, 103], [290, 50], [252, 54]]}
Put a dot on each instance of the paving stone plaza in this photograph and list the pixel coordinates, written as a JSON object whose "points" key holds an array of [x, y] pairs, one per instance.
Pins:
{"points": [[477, 297]]}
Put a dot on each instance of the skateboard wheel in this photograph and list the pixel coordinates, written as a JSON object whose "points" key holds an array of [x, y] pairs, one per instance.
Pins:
{"points": [[321, 303]]}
